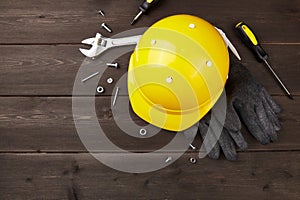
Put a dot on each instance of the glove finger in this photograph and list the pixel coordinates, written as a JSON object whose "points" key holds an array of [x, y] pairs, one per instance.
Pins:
{"points": [[227, 145], [271, 115], [265, 123], [235, 132], [238, 139], [249, 118], [232, 121], [213, 151], [275, 107]]}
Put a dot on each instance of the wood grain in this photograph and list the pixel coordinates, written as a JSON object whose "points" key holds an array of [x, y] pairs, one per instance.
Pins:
{"points": [[264, 175], [41, 155], [51, 70], [70, 21], [46, 124]]}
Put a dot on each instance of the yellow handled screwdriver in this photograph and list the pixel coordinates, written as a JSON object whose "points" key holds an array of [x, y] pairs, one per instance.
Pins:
{"points": [[248, 37], [143, 9]]}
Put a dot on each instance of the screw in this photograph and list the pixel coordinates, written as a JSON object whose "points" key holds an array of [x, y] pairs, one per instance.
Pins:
{"points": [[115, 65], [193, 147], [101, 12], [168, 159], [103, 25]]}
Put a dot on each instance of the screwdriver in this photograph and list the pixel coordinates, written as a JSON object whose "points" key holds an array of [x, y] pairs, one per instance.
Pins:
{"points": [[248, 37], [143, 9]]}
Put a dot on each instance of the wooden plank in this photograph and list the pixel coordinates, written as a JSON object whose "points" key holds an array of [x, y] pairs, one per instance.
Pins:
{"points": [[34, 21], [51, 70], [46, 124], [264, 175]]}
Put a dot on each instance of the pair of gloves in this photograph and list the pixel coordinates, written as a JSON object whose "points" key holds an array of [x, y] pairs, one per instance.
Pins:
{"points": [[247, 102]]}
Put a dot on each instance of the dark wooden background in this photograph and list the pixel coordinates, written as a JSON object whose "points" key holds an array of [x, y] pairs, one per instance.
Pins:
{"points": [[41, 156]]}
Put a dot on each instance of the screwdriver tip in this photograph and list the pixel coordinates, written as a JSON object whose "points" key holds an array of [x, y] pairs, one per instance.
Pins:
{"points": [[136, 17], [132, 22]]}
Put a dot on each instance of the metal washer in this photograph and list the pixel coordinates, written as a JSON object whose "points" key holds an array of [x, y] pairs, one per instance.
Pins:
{"points": [[143, 132], [100, 89], [193, 160]]}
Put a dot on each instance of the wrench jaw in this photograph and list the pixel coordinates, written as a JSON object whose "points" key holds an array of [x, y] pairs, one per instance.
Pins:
{"points": [[88, 41], [87, 52], [101, 44], [97, 42]]}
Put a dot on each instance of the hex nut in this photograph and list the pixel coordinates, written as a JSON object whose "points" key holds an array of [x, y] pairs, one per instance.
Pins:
{"points": [[110, 80]]}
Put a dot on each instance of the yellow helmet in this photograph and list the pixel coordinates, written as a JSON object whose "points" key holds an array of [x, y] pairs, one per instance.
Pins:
{"points": [[177, 72]]}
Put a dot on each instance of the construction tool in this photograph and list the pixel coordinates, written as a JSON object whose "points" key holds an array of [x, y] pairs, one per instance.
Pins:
{"points": [[101, 44], [248, 37], [143, 9]]}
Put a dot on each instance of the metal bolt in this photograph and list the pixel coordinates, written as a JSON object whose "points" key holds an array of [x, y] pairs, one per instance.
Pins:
{"points": [[193, 147], [100, 89], [101, 12], [168, 159], [193, 160], [143, 131], [110, 80], [115, 65], [103, 25]]}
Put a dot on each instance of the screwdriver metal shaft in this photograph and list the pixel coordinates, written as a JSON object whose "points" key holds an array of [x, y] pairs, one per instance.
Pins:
{"points": [[143, 9], [136, 17], [249, 38], [278, 79]]}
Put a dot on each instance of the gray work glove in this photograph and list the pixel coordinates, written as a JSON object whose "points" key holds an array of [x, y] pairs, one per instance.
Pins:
{"points": [[249, 102]]}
